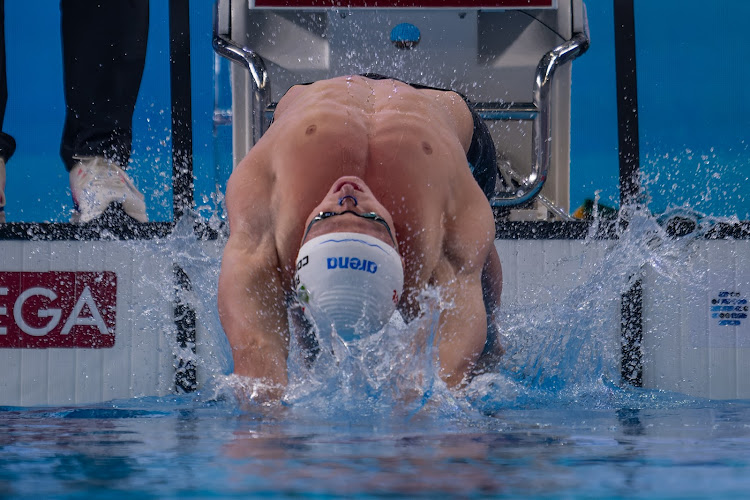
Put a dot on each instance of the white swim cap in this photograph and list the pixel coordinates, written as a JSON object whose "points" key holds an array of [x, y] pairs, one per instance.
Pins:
{"points": [[351, 281]]}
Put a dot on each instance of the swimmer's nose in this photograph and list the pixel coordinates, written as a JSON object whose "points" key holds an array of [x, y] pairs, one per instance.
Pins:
{"points": [[347, 194], [347, 191]]}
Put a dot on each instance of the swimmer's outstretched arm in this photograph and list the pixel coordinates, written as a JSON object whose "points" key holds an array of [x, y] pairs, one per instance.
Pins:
{"points": [[251, 298], [492, 281], [492, 288], [252, 312], [462, 330], [472, 285]]}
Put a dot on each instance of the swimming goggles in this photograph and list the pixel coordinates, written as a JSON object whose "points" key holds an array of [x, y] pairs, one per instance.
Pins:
{"points": [[369, 215]]}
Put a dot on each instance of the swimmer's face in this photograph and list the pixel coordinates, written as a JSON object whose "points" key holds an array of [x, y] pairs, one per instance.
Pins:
{"points": [[351, 194]]}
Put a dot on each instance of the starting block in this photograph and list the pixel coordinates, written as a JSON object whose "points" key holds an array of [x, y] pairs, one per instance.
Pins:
{"points": [[507, 56]]}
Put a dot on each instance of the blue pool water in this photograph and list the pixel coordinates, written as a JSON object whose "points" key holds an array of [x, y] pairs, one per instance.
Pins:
{"points": [[656, 447]]}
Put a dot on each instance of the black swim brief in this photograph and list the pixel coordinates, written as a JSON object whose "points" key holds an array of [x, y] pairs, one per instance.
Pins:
{"points": [[482, 156]]}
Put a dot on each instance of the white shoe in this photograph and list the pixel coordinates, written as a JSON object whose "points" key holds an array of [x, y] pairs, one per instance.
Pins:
{"points": [[96, 183], [2, 190]]}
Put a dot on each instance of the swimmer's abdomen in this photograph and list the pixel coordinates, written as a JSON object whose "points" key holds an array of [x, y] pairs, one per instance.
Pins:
{"points": [[351, 141], [323, 140], [408, 140]]}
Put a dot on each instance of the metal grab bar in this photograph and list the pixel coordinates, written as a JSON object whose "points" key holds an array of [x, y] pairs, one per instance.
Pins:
{"points": [[260, 95], [541, 134]]}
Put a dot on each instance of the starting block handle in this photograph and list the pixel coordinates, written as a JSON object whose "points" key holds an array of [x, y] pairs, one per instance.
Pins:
{"points": [[541, 133], [260, 96]]}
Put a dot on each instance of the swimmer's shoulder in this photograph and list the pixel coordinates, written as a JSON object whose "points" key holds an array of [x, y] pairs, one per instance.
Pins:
{"points": [[249, 186]]}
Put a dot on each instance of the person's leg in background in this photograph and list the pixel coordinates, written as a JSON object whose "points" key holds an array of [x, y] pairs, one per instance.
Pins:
{"points": [[7, 143], [104, 53]]}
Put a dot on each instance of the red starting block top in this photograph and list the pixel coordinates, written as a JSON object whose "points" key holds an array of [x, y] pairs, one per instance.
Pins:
{"points": [[393, 4]]}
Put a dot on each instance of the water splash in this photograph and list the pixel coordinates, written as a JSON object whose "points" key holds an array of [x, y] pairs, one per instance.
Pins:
{"points": [[560, 348], [394, 368], [565, 347]]}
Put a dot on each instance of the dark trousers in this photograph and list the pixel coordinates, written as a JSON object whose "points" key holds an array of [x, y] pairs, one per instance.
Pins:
{"points": [[7, 143], [104, 51]]}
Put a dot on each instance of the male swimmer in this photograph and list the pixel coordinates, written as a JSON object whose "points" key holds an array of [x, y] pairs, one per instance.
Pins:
{"points": [[362, 193]]}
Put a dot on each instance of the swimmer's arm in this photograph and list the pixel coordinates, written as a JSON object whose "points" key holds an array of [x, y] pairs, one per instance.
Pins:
{"points": [[473, 288], [253, 313], [492, 281], [492, 288], [251, 298], [463, 329]]}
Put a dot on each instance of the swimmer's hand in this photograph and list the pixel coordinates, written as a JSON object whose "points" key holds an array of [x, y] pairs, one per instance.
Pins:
{"points": [[256, 391]]}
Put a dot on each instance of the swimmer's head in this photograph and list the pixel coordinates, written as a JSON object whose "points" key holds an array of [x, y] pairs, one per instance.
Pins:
{"points": [[349, 272], [350, 281]]}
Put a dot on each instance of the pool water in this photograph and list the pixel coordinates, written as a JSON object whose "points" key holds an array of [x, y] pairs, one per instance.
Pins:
{"points": [[642, 446]]}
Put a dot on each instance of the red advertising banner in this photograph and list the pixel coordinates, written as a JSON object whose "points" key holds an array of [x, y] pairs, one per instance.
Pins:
{"points": [[392, 4], [57, 309]]}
